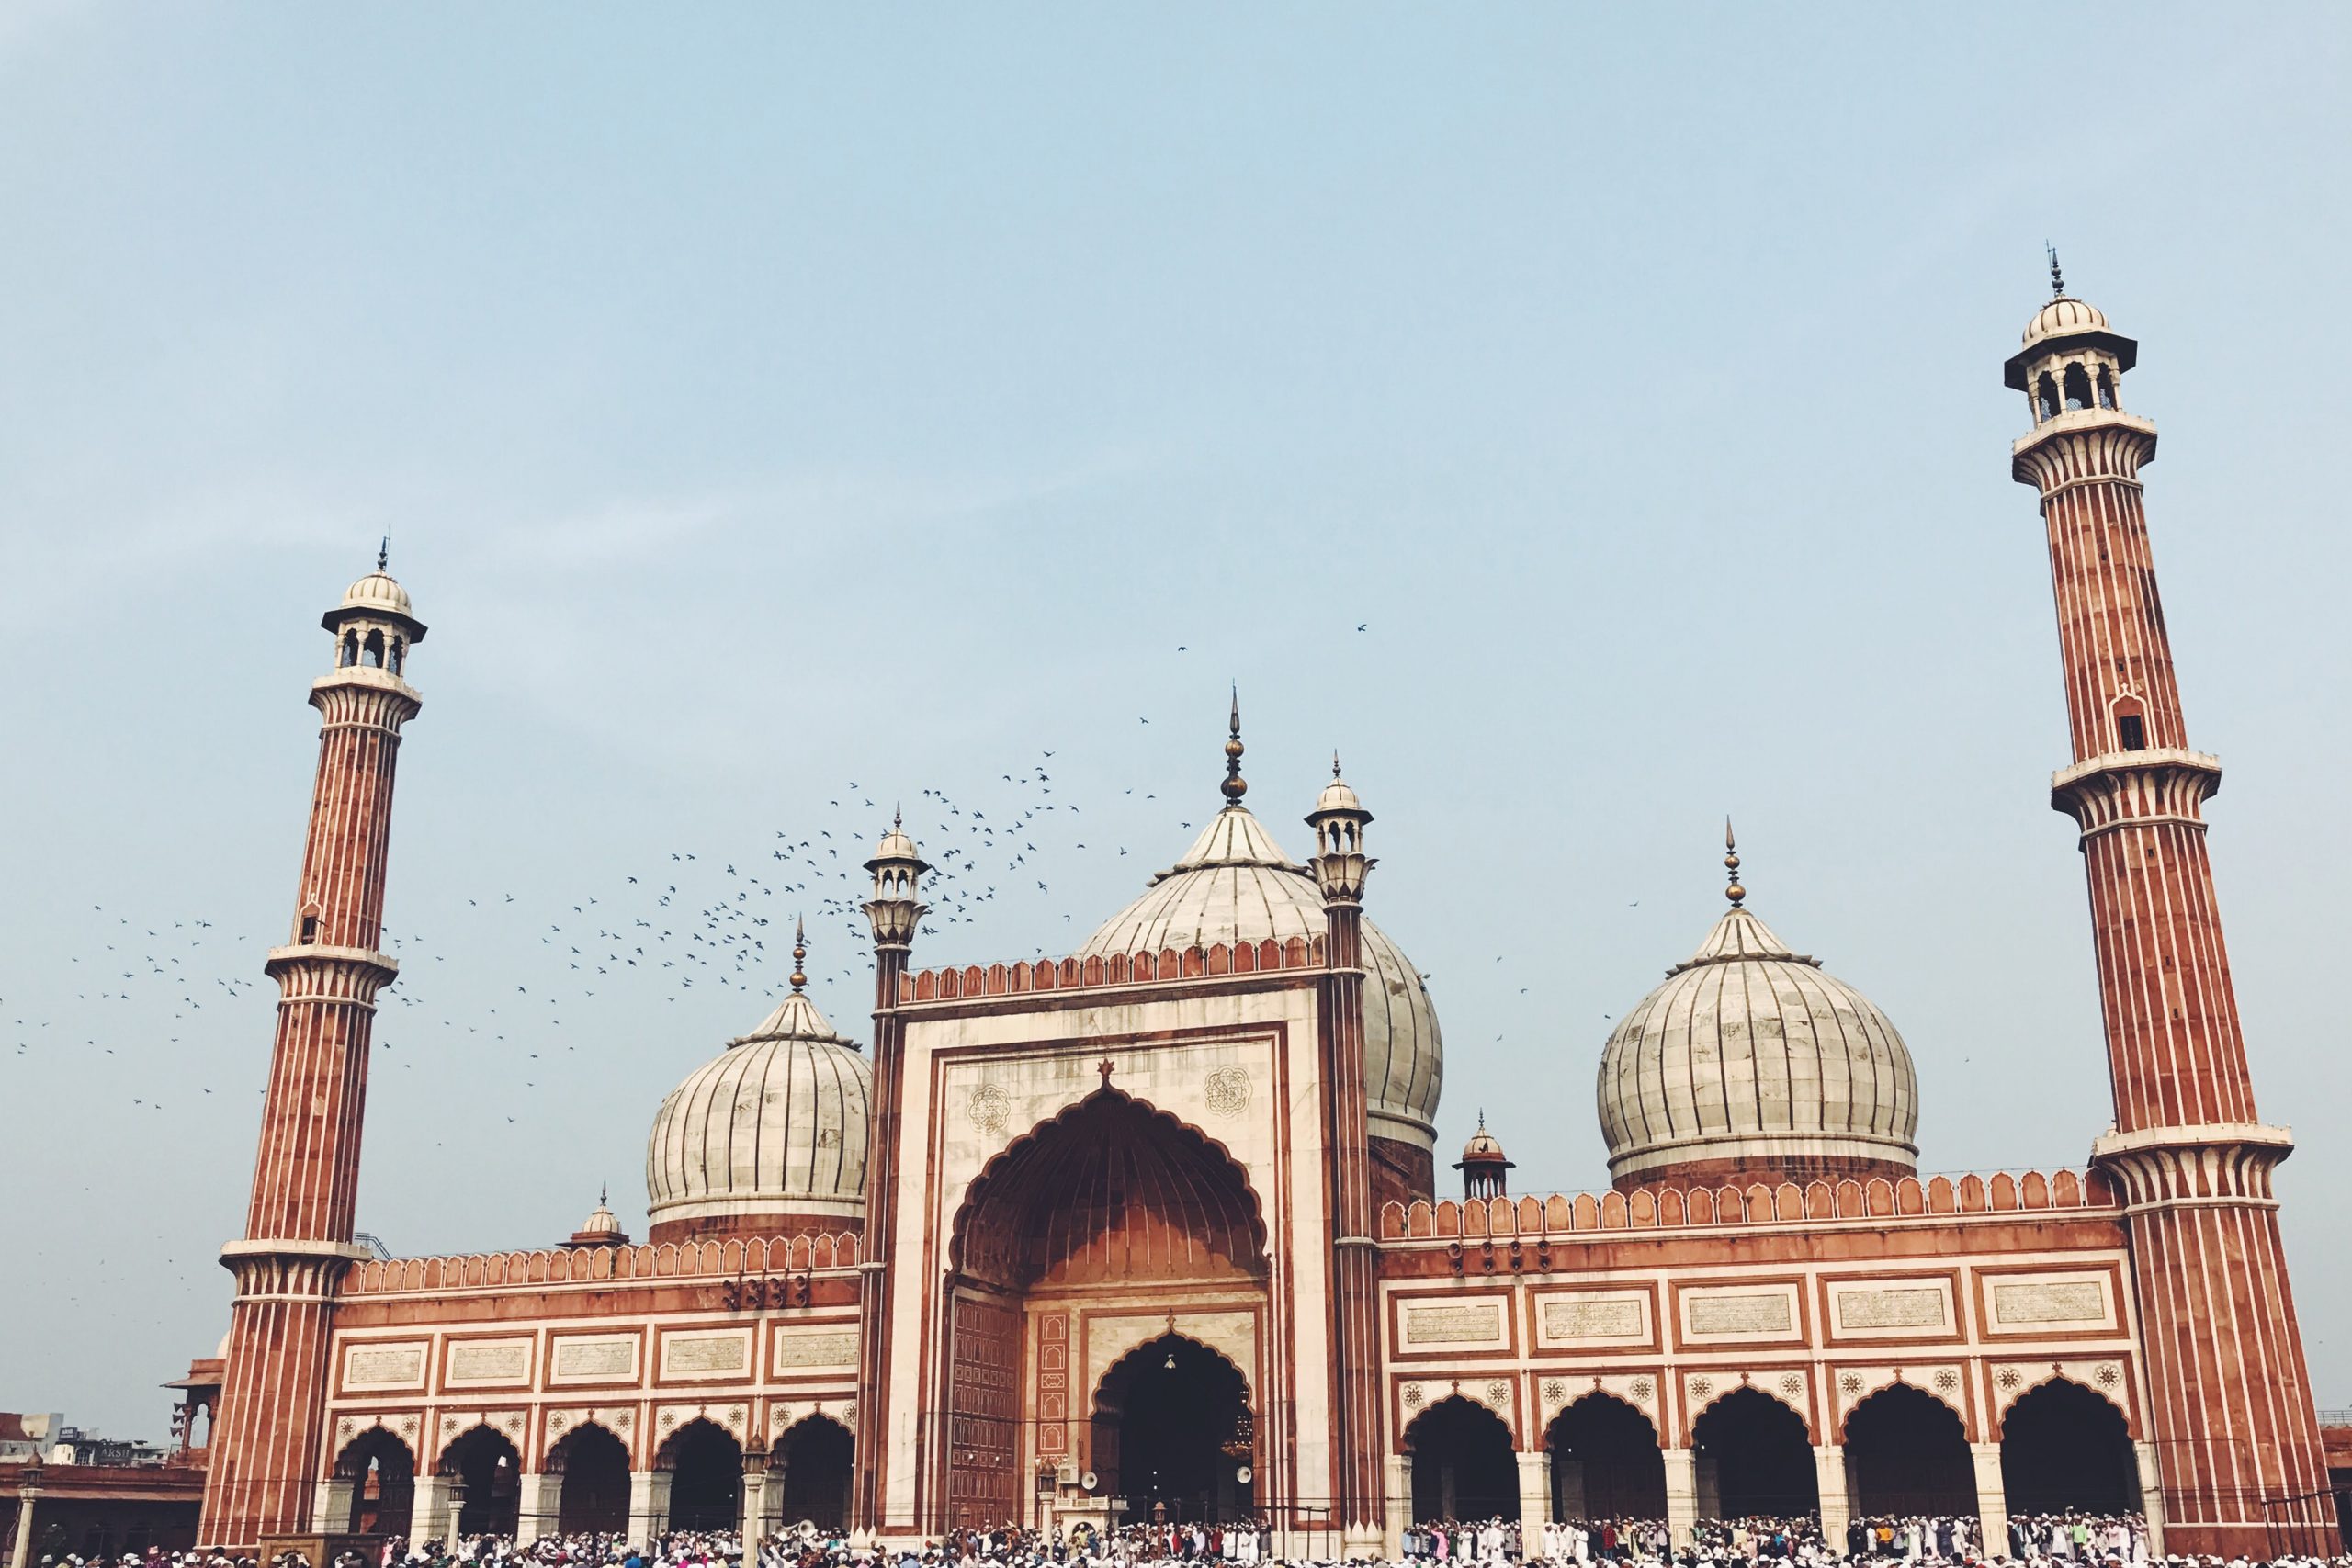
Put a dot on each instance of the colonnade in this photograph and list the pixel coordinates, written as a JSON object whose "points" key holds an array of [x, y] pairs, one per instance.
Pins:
{"points": [[1549, 1483], [751, 1480]]}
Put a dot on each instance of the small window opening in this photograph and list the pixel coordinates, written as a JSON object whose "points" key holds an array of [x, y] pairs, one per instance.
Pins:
{"points": [[2130, 732], [2078, 389], [399, 650], [350, 655], [2046, 397], [310, 929], [374, 655], [2106, 387]]}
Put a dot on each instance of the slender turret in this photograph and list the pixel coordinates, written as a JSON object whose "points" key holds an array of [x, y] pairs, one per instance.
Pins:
{"points": [[895, 912], [298, 1237], [1340, 866]]}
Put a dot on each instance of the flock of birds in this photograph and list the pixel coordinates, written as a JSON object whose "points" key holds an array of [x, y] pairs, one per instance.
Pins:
{"points": [[505, 992], [691, 919]]}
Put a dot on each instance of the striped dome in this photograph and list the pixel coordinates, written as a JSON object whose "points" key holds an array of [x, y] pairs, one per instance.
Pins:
{"points": [[377, 591], [2063, 317], [1750, 1053], [776, 1126], [1237, 884]]}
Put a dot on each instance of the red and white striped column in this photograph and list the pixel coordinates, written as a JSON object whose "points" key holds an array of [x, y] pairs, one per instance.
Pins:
{"points": [[2229, 1406], [267, 1444]]}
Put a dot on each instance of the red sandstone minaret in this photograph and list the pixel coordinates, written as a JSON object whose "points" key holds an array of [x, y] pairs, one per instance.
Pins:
{"points": [[265, 1448], [2229, 1406], [1339, 865]]}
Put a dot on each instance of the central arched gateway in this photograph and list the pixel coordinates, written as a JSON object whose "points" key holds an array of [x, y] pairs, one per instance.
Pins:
{"points": [[1172, 1433], [1111, 1215]]}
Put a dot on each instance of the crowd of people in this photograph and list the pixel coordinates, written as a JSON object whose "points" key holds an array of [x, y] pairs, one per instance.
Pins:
{"points": [[2037, 1540]]}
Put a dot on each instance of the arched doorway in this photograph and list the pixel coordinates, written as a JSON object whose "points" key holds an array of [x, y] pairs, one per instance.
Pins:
{"points": [[1758, 1456], [1908, 1453], [815, 1455], [1605, 1461], [493, 1471], [1463, 1466], [2065, 1448], [1172, 1431], [1112, 1203], [382, 1473], [594, 1492], [705, 1466]]}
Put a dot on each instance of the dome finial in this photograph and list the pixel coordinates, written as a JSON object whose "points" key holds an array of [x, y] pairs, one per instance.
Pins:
{"points": [[2057, 278], [799, 952], [604, 1194], [384, 553], [1733, 891], [1335, 761], [1235, 786]]}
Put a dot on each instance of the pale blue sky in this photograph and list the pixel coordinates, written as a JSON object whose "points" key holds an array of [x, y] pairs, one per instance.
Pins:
{"points": [[761, 401]]}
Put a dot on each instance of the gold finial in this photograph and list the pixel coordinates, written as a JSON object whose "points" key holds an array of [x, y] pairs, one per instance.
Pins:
{"points": [[1235, 786], [799, 952], [1734, 892]]}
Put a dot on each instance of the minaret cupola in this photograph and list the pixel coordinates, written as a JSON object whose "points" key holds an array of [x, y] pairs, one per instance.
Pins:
{"points": [[1484, 1167], [1339, 820], [374, 627], [895, 907]]}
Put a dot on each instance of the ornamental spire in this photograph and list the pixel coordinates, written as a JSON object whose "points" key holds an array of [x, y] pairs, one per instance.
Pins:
{"points": [[1732, 890], [2057, 278], [799, 953], [1235, 786]]}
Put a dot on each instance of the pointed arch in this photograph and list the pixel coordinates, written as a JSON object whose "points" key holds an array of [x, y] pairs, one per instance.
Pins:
{"points": [[1111, 1188], [1761, 1450], [381, 1468], [593, 1459], [1464, 1463], [1906, 1452], [814, 1454], [2067, 1446], [1170, 1423], [1606, 1462], [705, 1466], [487, 1460]]}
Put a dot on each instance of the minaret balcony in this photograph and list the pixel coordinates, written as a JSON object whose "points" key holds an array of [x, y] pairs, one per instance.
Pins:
{"points": [[314, 972], [2118, 789]]}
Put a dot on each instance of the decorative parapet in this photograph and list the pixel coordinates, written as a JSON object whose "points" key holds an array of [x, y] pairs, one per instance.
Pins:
{"points": [[580, 1265], [1563, 1215], [1119, 969]]}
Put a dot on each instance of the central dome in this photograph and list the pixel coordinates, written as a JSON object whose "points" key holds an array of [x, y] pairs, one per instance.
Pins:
{"points": [[1236, 884], [1750, 1062], [768, 1139]]}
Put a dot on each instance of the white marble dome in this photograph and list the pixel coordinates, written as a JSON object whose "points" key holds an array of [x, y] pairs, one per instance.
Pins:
{"points": [[2062, 317], [1237, 884], [1750, 1053], [379, 593], [776, 1126]]}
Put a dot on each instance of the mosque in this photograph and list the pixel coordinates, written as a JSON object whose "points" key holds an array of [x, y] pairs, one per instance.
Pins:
{"points": [[1156, 1230]]}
